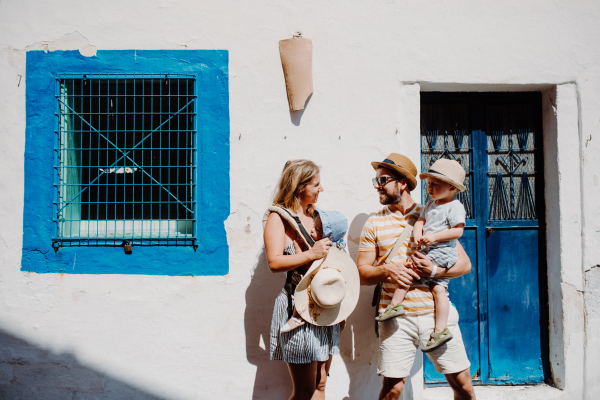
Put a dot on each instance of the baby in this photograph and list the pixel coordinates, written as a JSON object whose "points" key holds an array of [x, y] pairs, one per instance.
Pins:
{"points": [[440, 225], [329, 224]]}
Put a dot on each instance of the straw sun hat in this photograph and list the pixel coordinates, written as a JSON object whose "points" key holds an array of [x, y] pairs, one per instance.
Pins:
{"points": [[402, 166], [329, 291], [448, 171]]}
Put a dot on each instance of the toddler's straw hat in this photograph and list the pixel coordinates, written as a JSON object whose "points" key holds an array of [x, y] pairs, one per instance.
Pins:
{"points": [[328, 292], [448, 171]]}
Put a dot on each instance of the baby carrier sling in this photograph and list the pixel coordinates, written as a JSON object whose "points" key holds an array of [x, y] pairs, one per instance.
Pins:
{"points": [[295, 223], [389, 256]]}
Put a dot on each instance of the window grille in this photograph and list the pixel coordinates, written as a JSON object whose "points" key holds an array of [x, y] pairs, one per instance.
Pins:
{"points": [[125, 160]]}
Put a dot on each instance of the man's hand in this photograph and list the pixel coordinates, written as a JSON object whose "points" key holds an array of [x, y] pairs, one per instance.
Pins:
{"points": [[401, 274], [421, 264]]}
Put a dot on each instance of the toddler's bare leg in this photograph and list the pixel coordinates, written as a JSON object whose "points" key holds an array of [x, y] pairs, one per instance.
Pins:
{"points": [[398, 296], [442, 307], [293, 322]]}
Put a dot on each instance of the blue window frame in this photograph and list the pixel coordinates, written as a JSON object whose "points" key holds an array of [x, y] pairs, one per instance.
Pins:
{"points": [[503, 301], [127, 147]]}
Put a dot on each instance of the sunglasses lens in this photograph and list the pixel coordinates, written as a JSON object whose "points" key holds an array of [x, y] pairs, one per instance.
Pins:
{"points": [[381, 181]]}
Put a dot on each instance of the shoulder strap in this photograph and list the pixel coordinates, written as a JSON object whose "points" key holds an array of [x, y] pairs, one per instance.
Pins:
{"points": [[294, 222], [403, 235], [307, 237]]}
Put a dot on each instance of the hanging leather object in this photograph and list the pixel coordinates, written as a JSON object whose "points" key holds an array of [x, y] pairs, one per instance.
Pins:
{"points": [[296, 59]]}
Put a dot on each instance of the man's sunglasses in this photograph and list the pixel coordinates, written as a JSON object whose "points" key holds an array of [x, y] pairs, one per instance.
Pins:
{"points": [[382, 181]]}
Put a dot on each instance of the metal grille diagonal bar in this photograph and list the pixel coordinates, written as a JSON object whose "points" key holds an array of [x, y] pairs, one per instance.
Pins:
{"points": [[125, 155], [125, 160]]}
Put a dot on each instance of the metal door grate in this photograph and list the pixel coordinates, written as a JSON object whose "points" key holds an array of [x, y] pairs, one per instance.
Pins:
{"points": [[125, 160], [446, 133]]}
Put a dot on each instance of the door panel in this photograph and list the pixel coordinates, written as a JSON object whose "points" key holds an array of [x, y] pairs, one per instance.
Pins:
{"points": [[463, 294], [513, 306], [497, 140]]}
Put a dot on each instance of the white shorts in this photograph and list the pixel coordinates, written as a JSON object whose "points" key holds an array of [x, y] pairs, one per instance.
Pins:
{"points": [[400, 337]]}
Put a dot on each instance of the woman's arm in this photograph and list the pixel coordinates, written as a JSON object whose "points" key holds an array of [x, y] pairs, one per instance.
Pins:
{"points": [[423, 265], [274, 237]]}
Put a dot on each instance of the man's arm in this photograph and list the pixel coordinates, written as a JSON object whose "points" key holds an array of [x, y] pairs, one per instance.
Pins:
{"points": [[423, 265], [370, 275]]}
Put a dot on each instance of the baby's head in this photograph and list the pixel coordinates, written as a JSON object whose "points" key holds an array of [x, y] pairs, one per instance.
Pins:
{"points": [[445, 178], [438, 189], [317, 231], [329, 224]]}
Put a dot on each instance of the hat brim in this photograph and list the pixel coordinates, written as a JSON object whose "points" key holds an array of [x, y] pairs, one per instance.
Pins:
{"points": [[442, 178], [401, 171], [316, 315]]}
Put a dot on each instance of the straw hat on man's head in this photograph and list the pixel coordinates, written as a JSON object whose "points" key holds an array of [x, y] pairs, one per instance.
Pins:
{"points": [[448, 171], [329, 291], [402, 166]]}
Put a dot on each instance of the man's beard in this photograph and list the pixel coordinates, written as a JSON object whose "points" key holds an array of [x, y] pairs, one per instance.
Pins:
{"points": [[390, 198]]}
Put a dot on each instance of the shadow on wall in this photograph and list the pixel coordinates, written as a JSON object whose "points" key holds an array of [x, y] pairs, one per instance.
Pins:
{"points": [[30, 372], [272, 380], [296, 116], [359, 344]]}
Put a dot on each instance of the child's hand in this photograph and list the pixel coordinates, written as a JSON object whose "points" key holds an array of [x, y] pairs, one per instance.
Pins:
{"points": [[417, 237], [426, 240]]}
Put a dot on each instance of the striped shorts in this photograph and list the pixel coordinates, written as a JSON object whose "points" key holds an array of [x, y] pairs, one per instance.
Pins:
{"points": [[444, 257], [304, 344]]}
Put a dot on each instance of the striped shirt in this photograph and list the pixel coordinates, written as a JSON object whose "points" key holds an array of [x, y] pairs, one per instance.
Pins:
{"points": [[379, 235]]}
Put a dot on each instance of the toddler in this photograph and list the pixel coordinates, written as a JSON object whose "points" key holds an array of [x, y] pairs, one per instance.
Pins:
{"points": [[329, 224], [440, 225]]}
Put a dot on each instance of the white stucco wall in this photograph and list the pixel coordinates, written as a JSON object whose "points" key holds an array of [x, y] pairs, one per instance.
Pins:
{"points": [[207, 337]]}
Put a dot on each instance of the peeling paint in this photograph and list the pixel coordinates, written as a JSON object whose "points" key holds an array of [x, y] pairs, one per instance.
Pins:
{"points": [[69, 41]]}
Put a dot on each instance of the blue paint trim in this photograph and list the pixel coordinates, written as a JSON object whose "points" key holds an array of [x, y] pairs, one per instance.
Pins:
{"points": [[210, 67]]}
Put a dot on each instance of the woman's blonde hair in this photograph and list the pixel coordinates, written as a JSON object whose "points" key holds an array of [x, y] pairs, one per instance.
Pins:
{"points": [[296, 175]]}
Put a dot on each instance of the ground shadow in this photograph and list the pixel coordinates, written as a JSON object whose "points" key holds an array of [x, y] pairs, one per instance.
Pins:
{"points": [[272, 380], [30, 372], [296, 116]]}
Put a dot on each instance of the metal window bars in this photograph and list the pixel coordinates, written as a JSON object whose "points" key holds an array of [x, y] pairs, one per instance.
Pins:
{"points": [[125, 160]]}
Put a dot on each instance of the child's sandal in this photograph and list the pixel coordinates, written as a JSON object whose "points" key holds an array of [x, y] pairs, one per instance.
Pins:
{"points": [[287, 327], [391, 312], [436, 340]]}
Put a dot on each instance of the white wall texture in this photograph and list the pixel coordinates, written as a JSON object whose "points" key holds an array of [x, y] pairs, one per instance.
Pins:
{"points": [[115, 336]]}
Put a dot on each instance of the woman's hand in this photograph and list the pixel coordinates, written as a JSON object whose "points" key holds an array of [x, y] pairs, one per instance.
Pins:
{"points": [[320, 249]]}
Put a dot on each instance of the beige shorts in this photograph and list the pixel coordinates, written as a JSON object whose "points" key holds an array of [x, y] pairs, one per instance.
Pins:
{"points": [[400, 337]]}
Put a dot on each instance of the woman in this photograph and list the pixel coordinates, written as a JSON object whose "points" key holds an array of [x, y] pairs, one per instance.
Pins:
{"points": [[307, 349]]}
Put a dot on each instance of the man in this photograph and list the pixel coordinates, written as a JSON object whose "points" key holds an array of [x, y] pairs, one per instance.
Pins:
{"points": [[400, 337]]}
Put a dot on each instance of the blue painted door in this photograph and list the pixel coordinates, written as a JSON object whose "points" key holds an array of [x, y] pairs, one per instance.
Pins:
{"points": [[497, 140]]}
